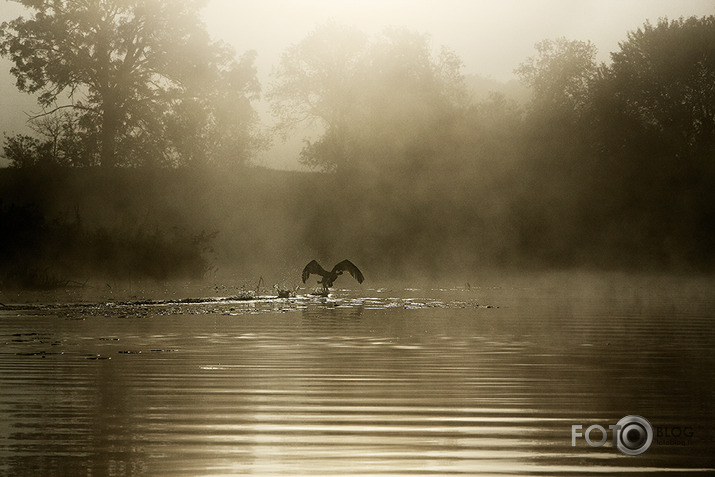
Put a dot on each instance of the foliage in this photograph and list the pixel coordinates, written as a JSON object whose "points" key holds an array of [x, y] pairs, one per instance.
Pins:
{"points": [[216, 123], [316, 84], [608, 166], [562, 73], [36, 251], [61, 142], [129, 68], [386, 93], [663, 78], [627, 167], [23, 150]]}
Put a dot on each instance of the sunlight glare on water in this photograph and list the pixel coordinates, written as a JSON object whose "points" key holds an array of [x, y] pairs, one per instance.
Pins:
{"points": [[476, 381]]}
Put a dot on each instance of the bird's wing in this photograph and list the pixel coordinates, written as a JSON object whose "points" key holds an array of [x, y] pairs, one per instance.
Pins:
{"points": [[347, 265], [313, 267]]}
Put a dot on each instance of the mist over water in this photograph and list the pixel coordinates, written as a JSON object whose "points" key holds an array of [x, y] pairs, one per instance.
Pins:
{"points": [[414, 173], [535, 257], [437, 381]]}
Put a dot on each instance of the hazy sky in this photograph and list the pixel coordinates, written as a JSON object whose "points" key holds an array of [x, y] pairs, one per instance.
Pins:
{"points": [[491, 36]]}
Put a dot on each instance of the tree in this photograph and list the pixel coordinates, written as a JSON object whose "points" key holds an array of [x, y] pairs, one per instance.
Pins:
{"points": [[561, 74], [655, 117], [412, 98], [556, 168], [215, 122], [663, 79], [370, 99], [124, 64], [22, 150], [317, 85]]}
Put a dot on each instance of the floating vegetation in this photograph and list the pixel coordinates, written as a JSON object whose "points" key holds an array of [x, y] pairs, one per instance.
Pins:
{"points": [[41, 354], [285, 300], [105, 344], [285, 292]]}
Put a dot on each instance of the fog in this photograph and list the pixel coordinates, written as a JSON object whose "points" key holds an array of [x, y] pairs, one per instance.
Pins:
{"points": [[423, 143], [491, 37], [472, 28]]}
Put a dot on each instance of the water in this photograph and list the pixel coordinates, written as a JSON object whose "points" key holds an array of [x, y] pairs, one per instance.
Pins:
{"points": [[473, 380]]}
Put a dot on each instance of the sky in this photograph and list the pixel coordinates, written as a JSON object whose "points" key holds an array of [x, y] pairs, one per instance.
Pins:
{"points": [[492, 37]]}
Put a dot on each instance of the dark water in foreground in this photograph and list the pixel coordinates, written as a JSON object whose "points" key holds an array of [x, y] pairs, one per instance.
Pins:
{"points": [[486, 380]]}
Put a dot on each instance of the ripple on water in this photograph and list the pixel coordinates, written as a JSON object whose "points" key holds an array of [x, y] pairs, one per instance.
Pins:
{"points": [[234, 306], [343, 384]]}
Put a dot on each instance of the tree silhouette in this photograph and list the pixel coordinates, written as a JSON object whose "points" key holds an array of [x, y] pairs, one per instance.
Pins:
{"points": [[561, 74], [316, 85], [372, 99], [123, 64], [663, 77]]}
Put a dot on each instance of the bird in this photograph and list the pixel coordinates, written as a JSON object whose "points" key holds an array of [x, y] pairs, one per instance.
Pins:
{"points": [[330, 276]]}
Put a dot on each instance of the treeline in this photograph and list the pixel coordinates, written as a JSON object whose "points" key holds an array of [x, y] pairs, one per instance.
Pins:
{"points": [[136, 83], [609, 165], [93, 225], [63, 227]]}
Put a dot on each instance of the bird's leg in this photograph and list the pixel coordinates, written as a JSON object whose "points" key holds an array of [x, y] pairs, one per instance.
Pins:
{"points": [[325, 291], [322, 290]]}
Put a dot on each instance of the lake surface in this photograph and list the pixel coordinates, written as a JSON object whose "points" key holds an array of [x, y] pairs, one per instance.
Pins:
{"points": [[482, 379]]}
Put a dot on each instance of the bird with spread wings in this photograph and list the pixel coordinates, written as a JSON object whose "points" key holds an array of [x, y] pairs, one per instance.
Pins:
{"points": [[330, 276]]}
